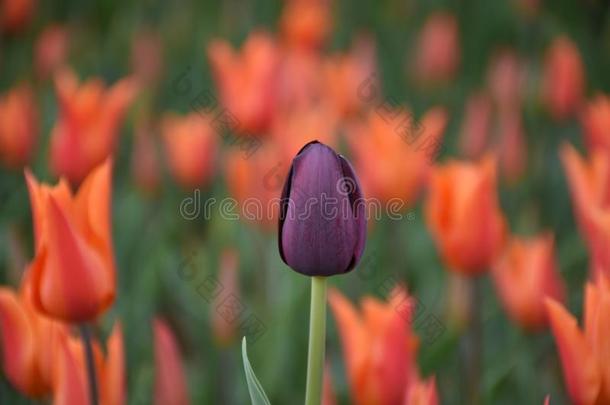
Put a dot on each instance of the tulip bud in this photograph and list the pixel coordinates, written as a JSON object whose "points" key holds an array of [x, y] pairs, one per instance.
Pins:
{"points": [[322, 228]]}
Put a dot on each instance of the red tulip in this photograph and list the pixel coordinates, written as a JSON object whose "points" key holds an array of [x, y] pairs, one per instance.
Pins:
{"points": [[506, 79], [73, 273], [89, 120], [525, 274], [170, 381], [18, 126], [191, 146], [464, 216], [15, 15], [511, 146], [564, 78]]}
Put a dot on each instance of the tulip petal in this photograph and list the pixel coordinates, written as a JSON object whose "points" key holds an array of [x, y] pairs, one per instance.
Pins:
{"points": [[113, 383], [71, 384], [580, 370]]}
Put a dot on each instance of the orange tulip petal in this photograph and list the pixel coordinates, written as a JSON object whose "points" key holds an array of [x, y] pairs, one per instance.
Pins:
{"points": [[170, 381]]}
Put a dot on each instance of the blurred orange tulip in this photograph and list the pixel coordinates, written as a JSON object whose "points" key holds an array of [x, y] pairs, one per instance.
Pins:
{"points": [[393, 153], [564, 78], [524, 276], [596, 123], [258, 179], [379, 347], [170, 381], [464, 216], [590, 189], [15, 15], [228, 277], [147, 57], [71, 383], [73, 273], [345, 74], [51, 50], [505, 78], [438, 49], [422, 393], [306, 23], [191, 146], [18, 126], [27, 343], [511, 147], [89, 120], [584, 353], [246, 80]]}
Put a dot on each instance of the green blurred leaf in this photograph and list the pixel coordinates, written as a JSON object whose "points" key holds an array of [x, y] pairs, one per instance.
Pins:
{"points": [[257, 393]]}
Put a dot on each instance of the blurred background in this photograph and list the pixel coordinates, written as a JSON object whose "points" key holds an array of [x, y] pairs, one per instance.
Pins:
{"points": [[211, 100]]}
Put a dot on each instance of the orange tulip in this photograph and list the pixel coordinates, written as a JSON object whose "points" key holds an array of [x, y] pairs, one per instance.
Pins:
{"points": [[170, 381], [463, 215], [564, 78], [18, 126], [596, 123], [344, 74], [438, 49], [379, 347], [147, 57], [306, 23], [524, 276], [590, 189], [584, 353], [407, 147], [422, 393], [71, 384], [89, 120], [246, 80], [257, 179], [73, 273], [228, 278], [191, 145], [506, 78], [511, 146], [51, 50]]}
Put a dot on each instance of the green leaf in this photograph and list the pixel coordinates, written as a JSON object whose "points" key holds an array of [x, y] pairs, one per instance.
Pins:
{"points": [[257, 393]]}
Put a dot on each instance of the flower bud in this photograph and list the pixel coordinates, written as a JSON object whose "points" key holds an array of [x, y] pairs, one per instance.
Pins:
{"points": [[322, 228]]}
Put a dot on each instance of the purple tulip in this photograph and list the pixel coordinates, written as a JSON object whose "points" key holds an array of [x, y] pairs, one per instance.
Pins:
{"points": [[322, 226]]}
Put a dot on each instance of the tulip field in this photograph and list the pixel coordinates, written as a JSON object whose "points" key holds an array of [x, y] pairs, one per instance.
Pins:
{"points": [[305, 201]]}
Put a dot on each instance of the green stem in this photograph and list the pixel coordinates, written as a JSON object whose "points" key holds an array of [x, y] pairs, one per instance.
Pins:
{"points": [[86, 337], [317, 337]]}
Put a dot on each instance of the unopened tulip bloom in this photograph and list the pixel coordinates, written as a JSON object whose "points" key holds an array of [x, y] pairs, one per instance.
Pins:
{"points": [[596, 123], [15, 15], [438, 49], [463, 215], [90, 116], [511, 146], [379, 348], [564, 78], [505, 79], [170, 380], [584, 352], [73, 273], [18, 126], [191, 146], [246, 80], [524, 275], [315, 239], [476, 127], [393, 151]]}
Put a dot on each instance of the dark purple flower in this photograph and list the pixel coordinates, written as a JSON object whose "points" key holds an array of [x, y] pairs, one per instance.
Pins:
{"points": [[322, 226]]}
